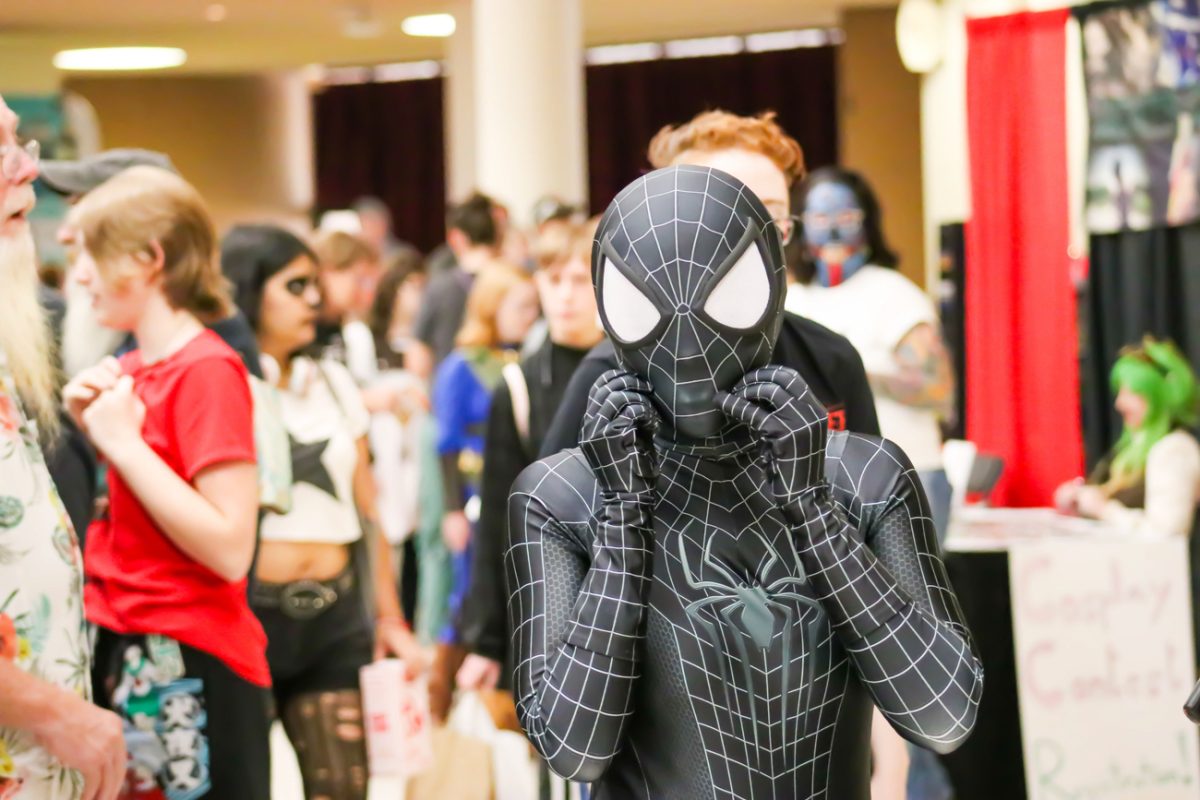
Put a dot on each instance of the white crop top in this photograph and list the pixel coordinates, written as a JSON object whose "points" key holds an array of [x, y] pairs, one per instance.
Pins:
{"points": [[325, 417]]}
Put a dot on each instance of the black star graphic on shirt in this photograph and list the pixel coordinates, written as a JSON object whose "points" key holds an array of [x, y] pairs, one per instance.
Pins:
{"points": [[307, 466]]}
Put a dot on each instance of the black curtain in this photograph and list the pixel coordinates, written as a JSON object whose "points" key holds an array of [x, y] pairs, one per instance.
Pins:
{"points": [[628, 103], [1141, 282], [952, 309], [385, 139]]}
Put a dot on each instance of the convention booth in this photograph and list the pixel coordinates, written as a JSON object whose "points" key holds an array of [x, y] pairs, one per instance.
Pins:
{"points": [[1086, 637], [1076, 177]]}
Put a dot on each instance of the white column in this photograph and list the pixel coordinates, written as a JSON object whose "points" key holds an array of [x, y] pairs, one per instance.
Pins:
{"points": [[944, 145], [459, 104], [945, 162], [528, 101]]}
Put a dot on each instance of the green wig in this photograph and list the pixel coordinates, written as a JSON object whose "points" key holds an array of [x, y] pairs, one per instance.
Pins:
{"points": [[1160, 375]]}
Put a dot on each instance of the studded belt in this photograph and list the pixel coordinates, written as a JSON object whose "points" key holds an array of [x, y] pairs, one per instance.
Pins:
{"points": [[304, 599]]}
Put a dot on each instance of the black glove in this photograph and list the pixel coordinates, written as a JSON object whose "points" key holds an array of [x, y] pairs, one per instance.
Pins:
{"points": [[617, 437], [617, 441], [779, 408], [848, 579]]}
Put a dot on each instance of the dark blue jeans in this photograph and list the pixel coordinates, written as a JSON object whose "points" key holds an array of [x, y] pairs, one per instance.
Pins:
{"points": [[927, 778]]}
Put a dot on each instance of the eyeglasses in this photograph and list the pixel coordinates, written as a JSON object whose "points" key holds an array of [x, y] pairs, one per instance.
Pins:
{"points": [[787, 227], [10, 157], [298, 286]]}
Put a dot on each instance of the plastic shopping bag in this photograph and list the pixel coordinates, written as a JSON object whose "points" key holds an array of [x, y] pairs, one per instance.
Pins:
{"points": [[396, 713], [515, 767]]}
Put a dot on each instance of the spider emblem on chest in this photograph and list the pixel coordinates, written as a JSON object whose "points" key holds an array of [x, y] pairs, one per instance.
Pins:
{"points": [[752, 610]]}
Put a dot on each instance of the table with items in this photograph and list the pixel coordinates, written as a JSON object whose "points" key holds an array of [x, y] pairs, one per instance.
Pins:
{"points": [[1086, 638]]}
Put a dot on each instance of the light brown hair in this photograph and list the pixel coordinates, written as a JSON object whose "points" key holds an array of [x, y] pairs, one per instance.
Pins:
{"points": [[143, 206], [491, 286], [340, 250], [561, 240], [721, 130]]}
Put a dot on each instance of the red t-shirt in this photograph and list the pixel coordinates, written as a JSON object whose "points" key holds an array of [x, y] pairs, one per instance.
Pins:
{"points": [[198, 413]]}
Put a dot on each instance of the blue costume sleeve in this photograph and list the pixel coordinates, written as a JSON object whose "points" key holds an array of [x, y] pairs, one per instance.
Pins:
{"points": [[453, 386]]}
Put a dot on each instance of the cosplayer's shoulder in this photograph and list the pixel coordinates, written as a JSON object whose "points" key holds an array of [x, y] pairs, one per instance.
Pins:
{"points": [[558, 488], [869, 475]]}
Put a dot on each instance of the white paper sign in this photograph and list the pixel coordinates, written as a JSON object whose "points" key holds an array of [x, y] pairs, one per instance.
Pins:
{"points": [[1104, 663]]}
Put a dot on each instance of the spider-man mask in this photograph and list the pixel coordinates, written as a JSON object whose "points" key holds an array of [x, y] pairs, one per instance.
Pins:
{"points": [[689, 277]]}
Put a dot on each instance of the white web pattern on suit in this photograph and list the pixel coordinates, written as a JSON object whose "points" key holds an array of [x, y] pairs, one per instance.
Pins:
{"points": [[678, 281], [824, 682], [579, 587]]}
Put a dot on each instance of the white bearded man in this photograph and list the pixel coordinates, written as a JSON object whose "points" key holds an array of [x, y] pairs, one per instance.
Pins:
{"points": [[54, 744]]}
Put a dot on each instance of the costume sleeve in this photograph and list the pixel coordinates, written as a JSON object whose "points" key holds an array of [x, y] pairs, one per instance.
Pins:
{"points": [[578, 620], [451, 387], [1172, 477], [564, 430], [909, 307], [482, 624], [208, 433], [891, 605]]}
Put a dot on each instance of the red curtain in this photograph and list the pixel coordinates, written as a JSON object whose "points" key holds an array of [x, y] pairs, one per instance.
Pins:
{"points": [[1021, 335]]}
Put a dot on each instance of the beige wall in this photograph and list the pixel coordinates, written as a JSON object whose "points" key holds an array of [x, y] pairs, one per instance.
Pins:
{"points": [[244, 142], [881, 128]]}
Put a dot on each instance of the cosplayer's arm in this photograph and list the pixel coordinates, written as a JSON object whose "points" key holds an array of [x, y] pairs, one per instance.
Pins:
{"points": [[451, 387], [1172, 475], [920, 664], [577, 609], [922, 376], [894, 613], [577, 624]]}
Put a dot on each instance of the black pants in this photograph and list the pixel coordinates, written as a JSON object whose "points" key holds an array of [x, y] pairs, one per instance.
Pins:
{"points": [[192, 727], [409, 578], [319, 654], [314, 666]]}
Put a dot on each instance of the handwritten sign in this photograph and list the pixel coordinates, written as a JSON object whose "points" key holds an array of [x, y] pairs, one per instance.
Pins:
{"points": [[1104, 662]]}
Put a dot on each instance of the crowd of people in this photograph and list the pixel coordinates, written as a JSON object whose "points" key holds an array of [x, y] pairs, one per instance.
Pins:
{"points": [[288, 453]]}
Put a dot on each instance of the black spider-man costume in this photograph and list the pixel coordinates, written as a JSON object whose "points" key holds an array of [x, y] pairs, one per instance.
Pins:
{"points": [[709, 593]]}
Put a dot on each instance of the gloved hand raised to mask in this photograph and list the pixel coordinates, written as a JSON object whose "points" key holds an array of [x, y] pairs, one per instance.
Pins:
{"points": [[777, 405], [617, 435]]}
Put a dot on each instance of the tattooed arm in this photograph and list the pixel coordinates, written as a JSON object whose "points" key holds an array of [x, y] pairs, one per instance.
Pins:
{"points": [[923, 376]]}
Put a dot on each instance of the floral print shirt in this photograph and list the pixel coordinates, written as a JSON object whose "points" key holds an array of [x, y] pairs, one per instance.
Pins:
{"points": [[41, 589]]}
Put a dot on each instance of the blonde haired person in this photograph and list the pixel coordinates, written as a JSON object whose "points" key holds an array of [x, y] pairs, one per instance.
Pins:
{"points": [[500, 309], [178, 653]]}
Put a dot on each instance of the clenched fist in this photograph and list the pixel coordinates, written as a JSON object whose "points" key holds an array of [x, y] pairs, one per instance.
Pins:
{"points": [[792, 425], [617, 437]]}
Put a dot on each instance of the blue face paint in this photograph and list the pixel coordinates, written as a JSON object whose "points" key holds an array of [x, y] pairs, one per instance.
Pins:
{"points": [[834, 232]]}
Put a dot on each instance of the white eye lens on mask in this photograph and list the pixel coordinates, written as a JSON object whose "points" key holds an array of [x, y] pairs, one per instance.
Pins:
{"points": [[742, 295], [631, 314]]}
